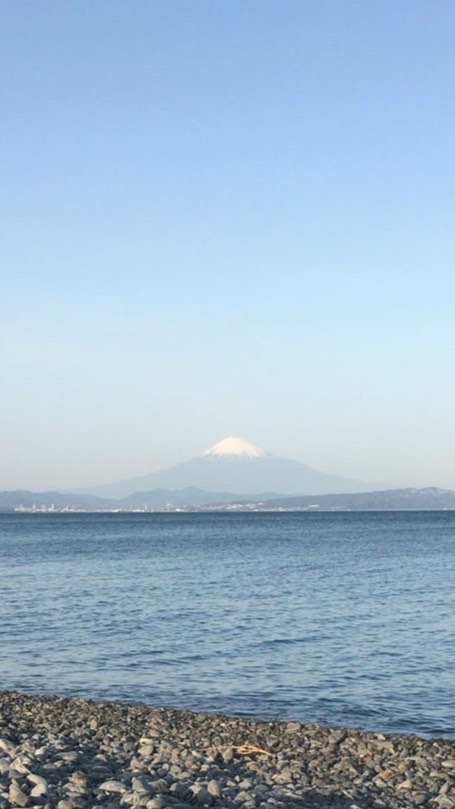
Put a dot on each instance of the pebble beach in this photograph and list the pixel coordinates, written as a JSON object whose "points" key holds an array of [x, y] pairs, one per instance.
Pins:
{"points": [[61, 753]]}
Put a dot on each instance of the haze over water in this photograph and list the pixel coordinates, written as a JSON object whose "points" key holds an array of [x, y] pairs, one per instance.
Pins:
{"points": [[340, 618]]}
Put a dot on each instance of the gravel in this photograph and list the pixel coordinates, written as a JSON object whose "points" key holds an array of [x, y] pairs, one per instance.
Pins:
{"points": [[58, 753]]}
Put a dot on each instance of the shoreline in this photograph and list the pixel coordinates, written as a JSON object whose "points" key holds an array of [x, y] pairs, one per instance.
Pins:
{"points": [[74, 753]]}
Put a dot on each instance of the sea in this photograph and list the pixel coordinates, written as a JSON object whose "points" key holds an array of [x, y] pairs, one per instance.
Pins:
{"points": [[339, 618]]}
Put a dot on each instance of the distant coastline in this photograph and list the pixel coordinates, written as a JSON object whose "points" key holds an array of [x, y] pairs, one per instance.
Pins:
{"points": [[195, 500]]}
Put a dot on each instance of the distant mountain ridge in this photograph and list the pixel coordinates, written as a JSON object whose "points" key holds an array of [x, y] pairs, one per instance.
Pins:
{"points": [[235, 465], [157, 499], [233, 474], [428, 498], [191, 499]]}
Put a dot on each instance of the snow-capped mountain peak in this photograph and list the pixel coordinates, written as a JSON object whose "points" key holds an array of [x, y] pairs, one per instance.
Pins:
{"points": [[235, 447], [235, 465]]}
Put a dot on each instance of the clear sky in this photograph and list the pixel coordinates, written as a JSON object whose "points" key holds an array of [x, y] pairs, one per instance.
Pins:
{"points": [[227, 217]]}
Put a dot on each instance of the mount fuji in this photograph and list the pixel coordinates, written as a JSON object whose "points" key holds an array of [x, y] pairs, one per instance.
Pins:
{"points": [[235, 465]]}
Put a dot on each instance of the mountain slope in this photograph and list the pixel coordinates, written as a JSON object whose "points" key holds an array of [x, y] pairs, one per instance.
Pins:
{"points": [[235, 465]]}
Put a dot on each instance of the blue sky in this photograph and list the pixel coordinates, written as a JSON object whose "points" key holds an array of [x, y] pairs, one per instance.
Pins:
{"points": [[227, 218]]}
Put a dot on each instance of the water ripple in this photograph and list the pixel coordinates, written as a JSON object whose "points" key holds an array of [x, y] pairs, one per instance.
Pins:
{"points": [[336, 618]]}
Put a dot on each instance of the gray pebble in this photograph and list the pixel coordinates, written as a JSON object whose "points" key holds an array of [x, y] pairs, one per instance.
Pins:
{"points": [[17, 796], [293, 727], [7, 746], [74, 754], [156, 803], [141, 784], [146, 750], [38, 790], [180, 789], [112, 786], [213, 788], [202, 795], [4, 765], [160, 785], [243, 797]]}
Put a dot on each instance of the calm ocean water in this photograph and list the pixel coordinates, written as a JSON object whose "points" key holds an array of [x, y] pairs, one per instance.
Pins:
{"points": [[339, 618]]}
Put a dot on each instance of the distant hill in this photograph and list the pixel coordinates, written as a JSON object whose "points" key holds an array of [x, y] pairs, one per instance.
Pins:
{"points": [[235, 465], [389, 500], [193, 499], [22, 497], [155, 500], [180, 498]]}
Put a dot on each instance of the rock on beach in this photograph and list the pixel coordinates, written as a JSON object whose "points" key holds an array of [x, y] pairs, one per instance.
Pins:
{"points": [[58, 753]]}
